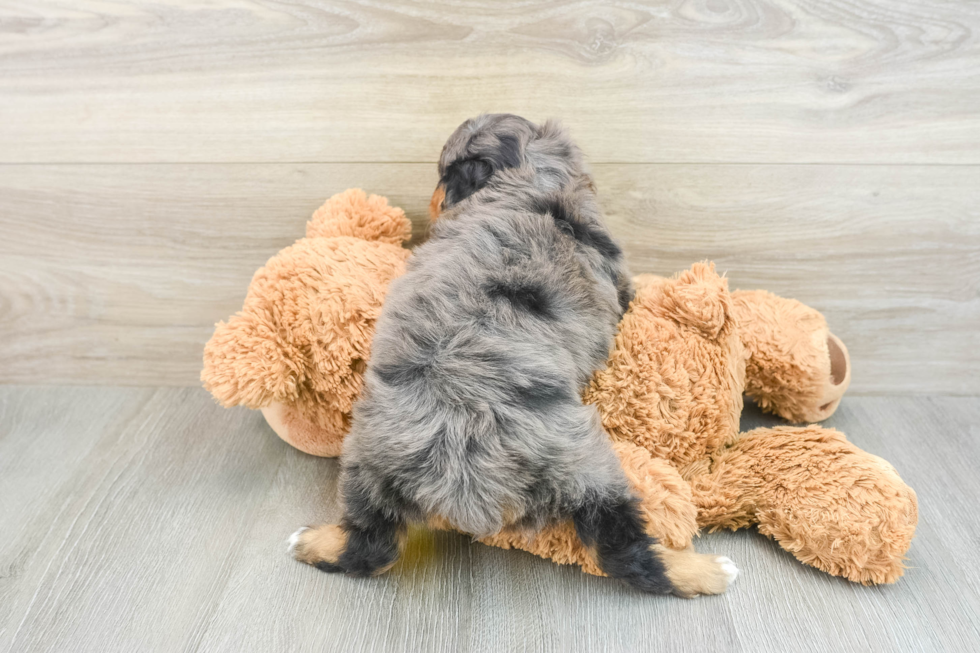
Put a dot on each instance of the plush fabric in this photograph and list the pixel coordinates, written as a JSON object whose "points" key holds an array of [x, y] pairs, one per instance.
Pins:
{"points": [[670, 397], [797, 368], [303, 337], [830, 504]]}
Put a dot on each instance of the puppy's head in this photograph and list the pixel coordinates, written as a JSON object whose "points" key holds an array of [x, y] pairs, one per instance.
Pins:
{"points": [[488, 144]]}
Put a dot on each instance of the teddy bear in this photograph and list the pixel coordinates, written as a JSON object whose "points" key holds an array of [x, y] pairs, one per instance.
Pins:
{"points": [[670, 397], [299, 346]]}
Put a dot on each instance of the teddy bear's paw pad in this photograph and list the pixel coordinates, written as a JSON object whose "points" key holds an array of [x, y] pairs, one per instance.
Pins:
{"points": [[693, 574], [320, 546]]}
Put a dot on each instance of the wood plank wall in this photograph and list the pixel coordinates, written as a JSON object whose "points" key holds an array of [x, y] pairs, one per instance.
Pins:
{"points": [[152, 155]]}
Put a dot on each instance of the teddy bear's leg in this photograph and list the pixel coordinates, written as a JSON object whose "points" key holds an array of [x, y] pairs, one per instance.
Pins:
{"points": [[797, 368], [830, 504]]}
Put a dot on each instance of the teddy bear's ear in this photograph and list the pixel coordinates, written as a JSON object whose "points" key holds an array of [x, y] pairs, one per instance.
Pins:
{"points": [[699, 298], [245, 365], [354, 213]]}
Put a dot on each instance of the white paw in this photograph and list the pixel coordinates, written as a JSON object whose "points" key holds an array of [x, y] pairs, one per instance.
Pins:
{"points": [[294, 540], [731, 571]]}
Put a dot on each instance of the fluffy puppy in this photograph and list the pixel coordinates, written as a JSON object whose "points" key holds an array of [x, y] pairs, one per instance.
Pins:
{"points": [[471, 411]]}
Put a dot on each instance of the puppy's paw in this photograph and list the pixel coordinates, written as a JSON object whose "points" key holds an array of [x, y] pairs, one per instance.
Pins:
{"points": [[294, 540], [319, 546], [728, 566], [693, 573]]}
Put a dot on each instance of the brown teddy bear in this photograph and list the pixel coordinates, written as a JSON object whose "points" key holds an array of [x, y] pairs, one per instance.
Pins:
{"points": [[670, 397], [299, 345]]}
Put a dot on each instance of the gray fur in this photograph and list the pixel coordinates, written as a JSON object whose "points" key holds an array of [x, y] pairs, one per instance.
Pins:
{"points": [[471, 407]]}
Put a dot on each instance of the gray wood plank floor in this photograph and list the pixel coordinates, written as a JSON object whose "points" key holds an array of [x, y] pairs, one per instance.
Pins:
{"points": [[151, 519]]}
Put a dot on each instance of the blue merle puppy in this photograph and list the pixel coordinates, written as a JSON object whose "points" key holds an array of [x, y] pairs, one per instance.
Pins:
{"points": [[471, 411]]}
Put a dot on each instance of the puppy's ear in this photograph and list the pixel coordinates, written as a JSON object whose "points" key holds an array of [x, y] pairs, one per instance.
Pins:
{"points": [[463, 178], [466, 176]]}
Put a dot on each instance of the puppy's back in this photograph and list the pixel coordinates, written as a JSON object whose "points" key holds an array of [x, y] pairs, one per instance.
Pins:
{"points": [[471, 404]]}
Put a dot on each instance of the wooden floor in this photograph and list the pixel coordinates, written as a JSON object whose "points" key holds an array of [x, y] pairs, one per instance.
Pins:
{"points": [[154, 153], [152, 520]]}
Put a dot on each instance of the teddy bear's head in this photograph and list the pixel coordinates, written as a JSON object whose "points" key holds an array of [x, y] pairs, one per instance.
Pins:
{"points": [[675, 376], [299, 346]]}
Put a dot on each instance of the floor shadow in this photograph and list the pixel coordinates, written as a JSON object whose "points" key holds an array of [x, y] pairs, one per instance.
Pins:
{"points": [[753, 417]]}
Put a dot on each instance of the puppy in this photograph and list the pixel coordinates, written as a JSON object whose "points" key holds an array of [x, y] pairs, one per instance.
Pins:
{"points": [[471, 411]]}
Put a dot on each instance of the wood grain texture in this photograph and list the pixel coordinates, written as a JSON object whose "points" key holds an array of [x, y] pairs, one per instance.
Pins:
{"points": [[116, 274], [149, 516], [151, 519], [154, 154], [884, 81]]}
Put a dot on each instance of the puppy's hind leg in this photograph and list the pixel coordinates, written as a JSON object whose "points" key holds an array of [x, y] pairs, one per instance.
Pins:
{"points": [[613, 527], [361, 547], [367, 542]]}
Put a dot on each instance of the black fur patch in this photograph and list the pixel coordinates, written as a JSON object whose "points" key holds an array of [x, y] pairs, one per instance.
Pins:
{"points": [[393, 497], [542, 395], [545, 394], [422, 457], [369, 548], [401, 373], [329, 567], [527, 297], [407, 371], [357, 499], [624, 292], [490, 358], [589, 235], [602, 242], [475, 446], [464, 177], [556, 209], [509, 154], [615, 529], [372, 534]]}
